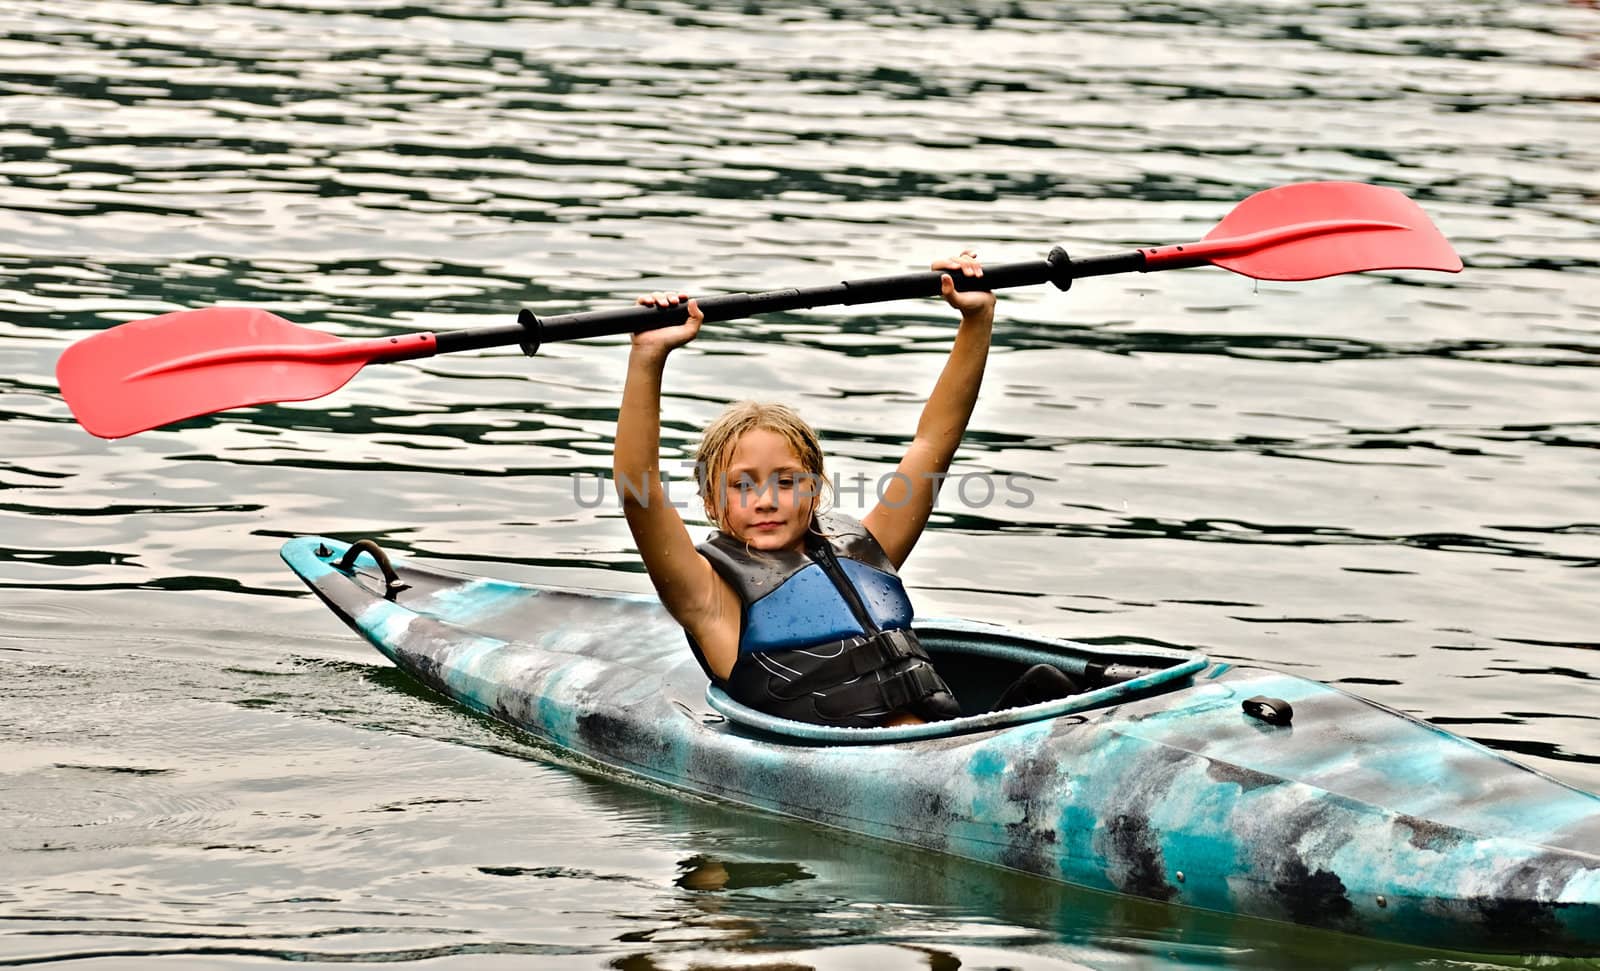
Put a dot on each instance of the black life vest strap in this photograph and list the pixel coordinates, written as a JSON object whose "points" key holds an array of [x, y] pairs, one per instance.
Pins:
{"points": [[888, 647], [859, 657], [850, 683], [888, 691]]}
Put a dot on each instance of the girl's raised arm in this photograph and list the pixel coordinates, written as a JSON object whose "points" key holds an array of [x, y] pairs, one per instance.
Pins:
{"points": [[684, 580], [906, 500]]}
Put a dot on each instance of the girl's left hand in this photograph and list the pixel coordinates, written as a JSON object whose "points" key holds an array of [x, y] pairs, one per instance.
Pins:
{"points": [[969, 302]]}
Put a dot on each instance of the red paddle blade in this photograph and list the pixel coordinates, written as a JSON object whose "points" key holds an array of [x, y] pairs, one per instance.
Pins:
{"points": [[147, 373], [1316, 229]]}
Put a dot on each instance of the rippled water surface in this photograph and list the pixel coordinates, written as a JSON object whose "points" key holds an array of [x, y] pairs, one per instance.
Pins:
{"points": [[1385, 481]]}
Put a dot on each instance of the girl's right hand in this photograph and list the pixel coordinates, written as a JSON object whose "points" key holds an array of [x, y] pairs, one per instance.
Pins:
{"points": [[664, 339]]}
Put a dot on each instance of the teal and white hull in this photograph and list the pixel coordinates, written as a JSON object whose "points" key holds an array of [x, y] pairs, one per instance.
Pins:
{"points": [[1353, 818]]}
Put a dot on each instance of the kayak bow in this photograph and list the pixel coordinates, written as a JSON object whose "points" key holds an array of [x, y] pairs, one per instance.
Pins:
{"points": [[1204, 784]]}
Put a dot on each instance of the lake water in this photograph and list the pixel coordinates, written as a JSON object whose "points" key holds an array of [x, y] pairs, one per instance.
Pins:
{"points": [[1386, 481]]}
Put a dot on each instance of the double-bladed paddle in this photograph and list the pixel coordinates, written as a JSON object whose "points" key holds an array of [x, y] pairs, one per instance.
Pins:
{"points": [[147, 373]]}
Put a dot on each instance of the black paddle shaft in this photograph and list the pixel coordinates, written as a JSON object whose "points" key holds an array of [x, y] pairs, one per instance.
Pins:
{"points": [[532, 331]]}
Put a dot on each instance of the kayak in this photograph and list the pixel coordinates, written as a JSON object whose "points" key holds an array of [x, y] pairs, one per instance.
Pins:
{"points": [[1171, 776]]}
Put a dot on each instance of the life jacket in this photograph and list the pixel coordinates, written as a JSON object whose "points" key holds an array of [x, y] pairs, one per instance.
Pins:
{"points": [[825, 635]]}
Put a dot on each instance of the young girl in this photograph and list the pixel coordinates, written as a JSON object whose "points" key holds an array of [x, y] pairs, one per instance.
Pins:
{"points": [[792, 611]]}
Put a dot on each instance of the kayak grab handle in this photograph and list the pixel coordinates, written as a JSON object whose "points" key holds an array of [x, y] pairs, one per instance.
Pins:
{"points": [[1273, 711], [392, 584]]}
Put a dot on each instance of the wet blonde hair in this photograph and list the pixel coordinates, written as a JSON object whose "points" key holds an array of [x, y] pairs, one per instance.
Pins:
{"points": [[721, 438]]}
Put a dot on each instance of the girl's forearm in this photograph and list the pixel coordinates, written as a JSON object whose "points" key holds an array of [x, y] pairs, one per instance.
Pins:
{"points": [[636, 460], [944, 417]]}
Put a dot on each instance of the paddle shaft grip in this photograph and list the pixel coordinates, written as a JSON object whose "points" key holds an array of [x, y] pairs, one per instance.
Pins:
{"points": [[1058, 269]]}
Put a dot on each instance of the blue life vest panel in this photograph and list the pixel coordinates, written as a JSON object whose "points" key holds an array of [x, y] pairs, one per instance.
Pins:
{"points": [[807, 609]]}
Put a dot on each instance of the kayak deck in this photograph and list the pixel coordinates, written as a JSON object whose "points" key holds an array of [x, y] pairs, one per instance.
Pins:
{"points": [[1354, 817]]}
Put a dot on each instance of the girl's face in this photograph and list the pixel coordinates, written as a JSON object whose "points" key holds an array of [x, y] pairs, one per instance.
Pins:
{"points": [[767, 497]]}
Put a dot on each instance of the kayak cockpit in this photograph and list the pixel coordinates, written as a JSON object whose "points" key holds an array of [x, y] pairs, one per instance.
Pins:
{"points": [[978, 661]]}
